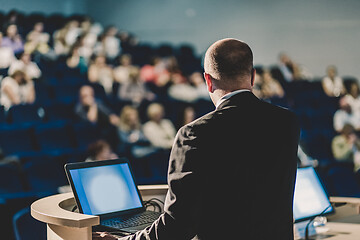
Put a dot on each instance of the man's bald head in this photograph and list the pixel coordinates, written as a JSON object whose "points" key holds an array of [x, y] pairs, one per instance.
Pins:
{"points": [[229, 61]]}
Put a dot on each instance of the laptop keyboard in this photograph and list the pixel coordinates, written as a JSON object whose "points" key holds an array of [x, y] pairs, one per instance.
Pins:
{"points": [[132, 221]]}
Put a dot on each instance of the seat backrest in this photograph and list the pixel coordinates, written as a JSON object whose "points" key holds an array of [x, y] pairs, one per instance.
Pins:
{"points": [[26, 227], [10, 178], [17, 139], [25, 113]]}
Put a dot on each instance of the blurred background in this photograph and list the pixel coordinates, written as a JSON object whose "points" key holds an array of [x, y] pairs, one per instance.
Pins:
{"points": [[86, 80]]}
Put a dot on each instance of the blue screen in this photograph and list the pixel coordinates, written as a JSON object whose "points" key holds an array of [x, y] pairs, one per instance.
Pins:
{"points": [[310, 198], [105, 189]]}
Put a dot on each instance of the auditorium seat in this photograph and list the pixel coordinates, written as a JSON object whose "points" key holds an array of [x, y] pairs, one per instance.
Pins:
{"points": [[10, 178], [25, 114], [59, 111], [54, 138], [342, 182], [26, 227], [17, 140], [45, 174], [85, 134]]}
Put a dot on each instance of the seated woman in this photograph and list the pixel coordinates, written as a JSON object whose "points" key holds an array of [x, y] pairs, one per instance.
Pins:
{"points": [[135, 90], [270, 87], [100, 72], [15, 89], [100, 150], [123, 71], [160, 131], [131, 133], [25, 64], [332, 84], [13, 39], [37, 40], [345, 147]]}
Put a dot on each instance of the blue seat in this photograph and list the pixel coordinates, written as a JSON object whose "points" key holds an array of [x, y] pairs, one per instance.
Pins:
{"points": [[25, 114], [59, 111], [26, 227], [45, 174], [85, 134], [17, 140], [10, 178], [66, 93], [54, 138], [342, 181]]}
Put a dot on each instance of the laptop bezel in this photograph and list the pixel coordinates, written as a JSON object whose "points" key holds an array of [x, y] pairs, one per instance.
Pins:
{"points": [[326, 193], [80, 165]]}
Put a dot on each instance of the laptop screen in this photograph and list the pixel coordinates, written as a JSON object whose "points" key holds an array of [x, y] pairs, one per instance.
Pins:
{"points": [[310, 198], [105, 189]]}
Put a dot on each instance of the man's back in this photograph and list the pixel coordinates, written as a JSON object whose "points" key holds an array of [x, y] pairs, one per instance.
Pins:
{"points": [[243, 161]]}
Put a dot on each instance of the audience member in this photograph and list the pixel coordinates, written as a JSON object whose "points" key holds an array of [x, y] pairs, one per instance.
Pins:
{"points": [[181, 89], [16, 89], [92, 110], [125, 69], [25, 64], [197, 80], [353, 96], [75, 62], [346, 146], [187, 115], [135, 90], [6, 57], [13, 39], [270, 87], [332, 84], [100, 72], [292, 71], [160, 131], [100, 150], [345, 116], [131, 133], [109, 44], [37, 40]]}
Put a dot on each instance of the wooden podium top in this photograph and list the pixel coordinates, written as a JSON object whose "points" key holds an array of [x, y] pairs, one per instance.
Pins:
{"points": [[56, 210]]}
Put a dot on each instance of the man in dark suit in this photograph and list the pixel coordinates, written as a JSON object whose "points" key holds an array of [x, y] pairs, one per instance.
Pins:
{"points": [[231, 172]]}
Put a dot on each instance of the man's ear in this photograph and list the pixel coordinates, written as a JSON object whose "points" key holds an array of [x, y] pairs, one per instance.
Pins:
{"points": [[209, 83], [253, 73]]}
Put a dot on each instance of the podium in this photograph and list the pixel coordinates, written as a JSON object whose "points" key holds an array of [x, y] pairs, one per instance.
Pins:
{"points": [[62, 223]]}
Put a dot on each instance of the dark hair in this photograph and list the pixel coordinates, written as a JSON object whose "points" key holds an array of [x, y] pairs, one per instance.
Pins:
{"points": [[96, 147]]}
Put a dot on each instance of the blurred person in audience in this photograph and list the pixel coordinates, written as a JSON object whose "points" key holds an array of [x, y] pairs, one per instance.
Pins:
{"points": [[12, 39], [75, 61], [197, 80], [258, 82], [160, 131], [155, 73], [109, 44], [181, 89], [333, 84], [271, 87], [30, 68], [292, 71], [353, 96], [65, 37], [131, 133], [16, 89], [92, 110], [344, 116], [100, 150], [345, 147], [125, 69], [135, 90], [187, 115], [100, 72], [37, 40], [6, 57]]}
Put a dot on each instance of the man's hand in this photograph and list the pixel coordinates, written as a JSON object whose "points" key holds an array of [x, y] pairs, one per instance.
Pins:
{"points": [[103, 236]]}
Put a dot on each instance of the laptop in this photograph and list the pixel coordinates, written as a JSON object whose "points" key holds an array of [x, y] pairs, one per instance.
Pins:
{"points": [[107, 189]]}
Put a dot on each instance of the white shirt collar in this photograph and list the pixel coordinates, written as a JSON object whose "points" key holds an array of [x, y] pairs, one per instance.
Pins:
{"points": [[229, 95]]}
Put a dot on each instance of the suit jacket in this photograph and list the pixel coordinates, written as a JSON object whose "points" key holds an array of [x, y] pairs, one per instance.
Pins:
{"points": [[231, 175]]}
